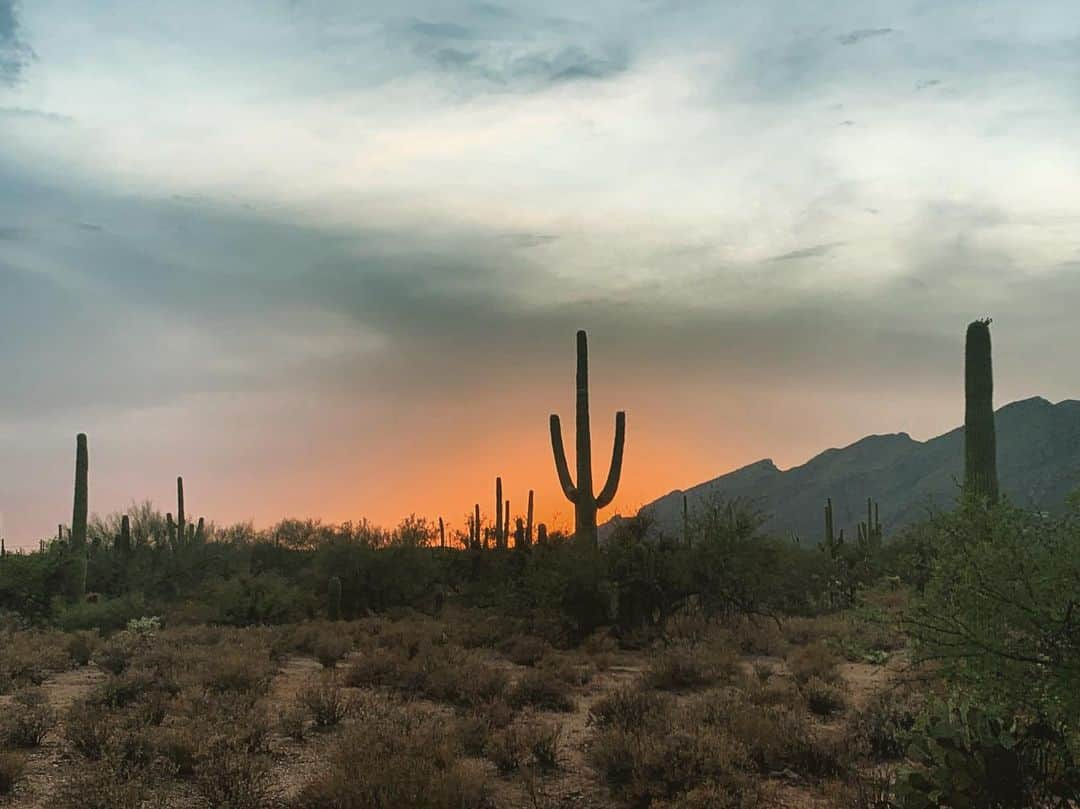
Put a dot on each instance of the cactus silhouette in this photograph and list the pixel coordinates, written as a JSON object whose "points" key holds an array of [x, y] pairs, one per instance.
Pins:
{"points": [[498, 513], [980, 443], [82, 497], [442, 533], [541, 534], [125, 535], [506, 527], [333, 592], [181, 528], [586, 504], [529, 520]]}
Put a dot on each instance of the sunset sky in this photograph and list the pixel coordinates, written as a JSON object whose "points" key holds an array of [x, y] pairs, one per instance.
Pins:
{"points": [[326, 258]]}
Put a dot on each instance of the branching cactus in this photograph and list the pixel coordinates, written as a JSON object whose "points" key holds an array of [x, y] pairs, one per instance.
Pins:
{"points": [[980, 442], [580, 493]]}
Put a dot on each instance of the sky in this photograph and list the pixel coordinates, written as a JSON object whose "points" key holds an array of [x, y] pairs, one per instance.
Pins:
{"points": [[326, 258]]}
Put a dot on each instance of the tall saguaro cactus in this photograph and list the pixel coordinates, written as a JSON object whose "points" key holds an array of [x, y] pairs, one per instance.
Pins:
{"points": [[82, 497], [980, 442], [181, 530], [529, 519], [498, 513], [586, 504]]}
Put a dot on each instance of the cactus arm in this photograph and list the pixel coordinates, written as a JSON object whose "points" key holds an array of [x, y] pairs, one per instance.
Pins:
{"points": [[560, 461], [607, 494]]}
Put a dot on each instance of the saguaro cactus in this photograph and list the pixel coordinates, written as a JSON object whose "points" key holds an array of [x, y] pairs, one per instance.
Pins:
{"points": [[442, 533], [82, 497], [125, 535], [541, 534], [476, 526], [529, 519], [980, 442], [586, 504], [333, 594], [498, 513], [506, 526], [181, 528]]}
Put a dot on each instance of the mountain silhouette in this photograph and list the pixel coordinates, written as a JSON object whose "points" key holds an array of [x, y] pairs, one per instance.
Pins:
{"points": [[1038, 465]]}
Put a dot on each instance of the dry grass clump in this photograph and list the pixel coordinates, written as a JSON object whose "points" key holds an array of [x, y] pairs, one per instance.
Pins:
{"points": [[100, 787], [27, 719], [816, 660], [400, 755], [229, 778], [824, 699], [542, 689], [30, 657], [710, 750], [685, 668], [525, 650], [12, 767], [532, 744], [884, 725], [326, 702]]}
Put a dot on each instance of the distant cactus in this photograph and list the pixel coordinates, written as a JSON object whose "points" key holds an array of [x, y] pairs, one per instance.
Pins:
{"points": [[170, 529], [506, 527], [529, 520], [980, 443], [520, 543], [334, 599], [3, 548], [830, 538], [200, 530], [82, 498], [586, 504], [442, 533], [181, 528], [870, 532], [498, 513], [541, 534], [124, 540]]}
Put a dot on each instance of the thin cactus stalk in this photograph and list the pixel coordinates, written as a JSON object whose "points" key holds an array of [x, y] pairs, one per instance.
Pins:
{"points": [[200, 530], [541, 534], [334, 599], [82, 498], [506, 527], [520, 542], [442, 533], [3, 548], [170, 528], [125, 535], [580, 493], [181, 528], [476, 525], [980, 442], [830, 539], [498, 513], [529, 519]]}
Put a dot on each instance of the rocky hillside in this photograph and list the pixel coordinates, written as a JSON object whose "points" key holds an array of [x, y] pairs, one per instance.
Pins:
{"points": [[1038, 465]]}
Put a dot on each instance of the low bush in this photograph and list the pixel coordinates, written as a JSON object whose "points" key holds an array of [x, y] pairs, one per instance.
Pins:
{"points": [[539, 688], [326, 702], [816, 660], [12, 767], [822, 698], [27, 719], [681, 668]]}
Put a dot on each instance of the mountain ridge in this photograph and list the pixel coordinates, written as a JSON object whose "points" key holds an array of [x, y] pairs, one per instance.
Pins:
{"points": [[1038, 463]]}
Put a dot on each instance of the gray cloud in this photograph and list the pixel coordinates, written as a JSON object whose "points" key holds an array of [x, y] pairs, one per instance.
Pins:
{"points": [[854, 37], [807, 252], [14, 53]]}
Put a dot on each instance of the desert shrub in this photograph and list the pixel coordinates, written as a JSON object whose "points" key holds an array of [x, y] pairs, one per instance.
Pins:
{"points": [[29, 657], [822, 698], [401, 755], [538, 688], [233, 779], [476, 726], [81, 646], [240, 671], [326, 702], [545, 741], [377, 667], [884, 725], [124, 689], [88, 726], [507, 749], [815, 660], [180, 747], [682, 668], [12, 767], [101, 787], [645, 768], [27, 719], [525, 650], [330, 648], [629, 708], [757, 636], [567, 669], [292, 721]]}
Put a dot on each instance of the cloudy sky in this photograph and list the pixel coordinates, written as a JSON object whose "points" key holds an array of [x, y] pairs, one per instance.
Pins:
{"points": [[326, 258]]}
